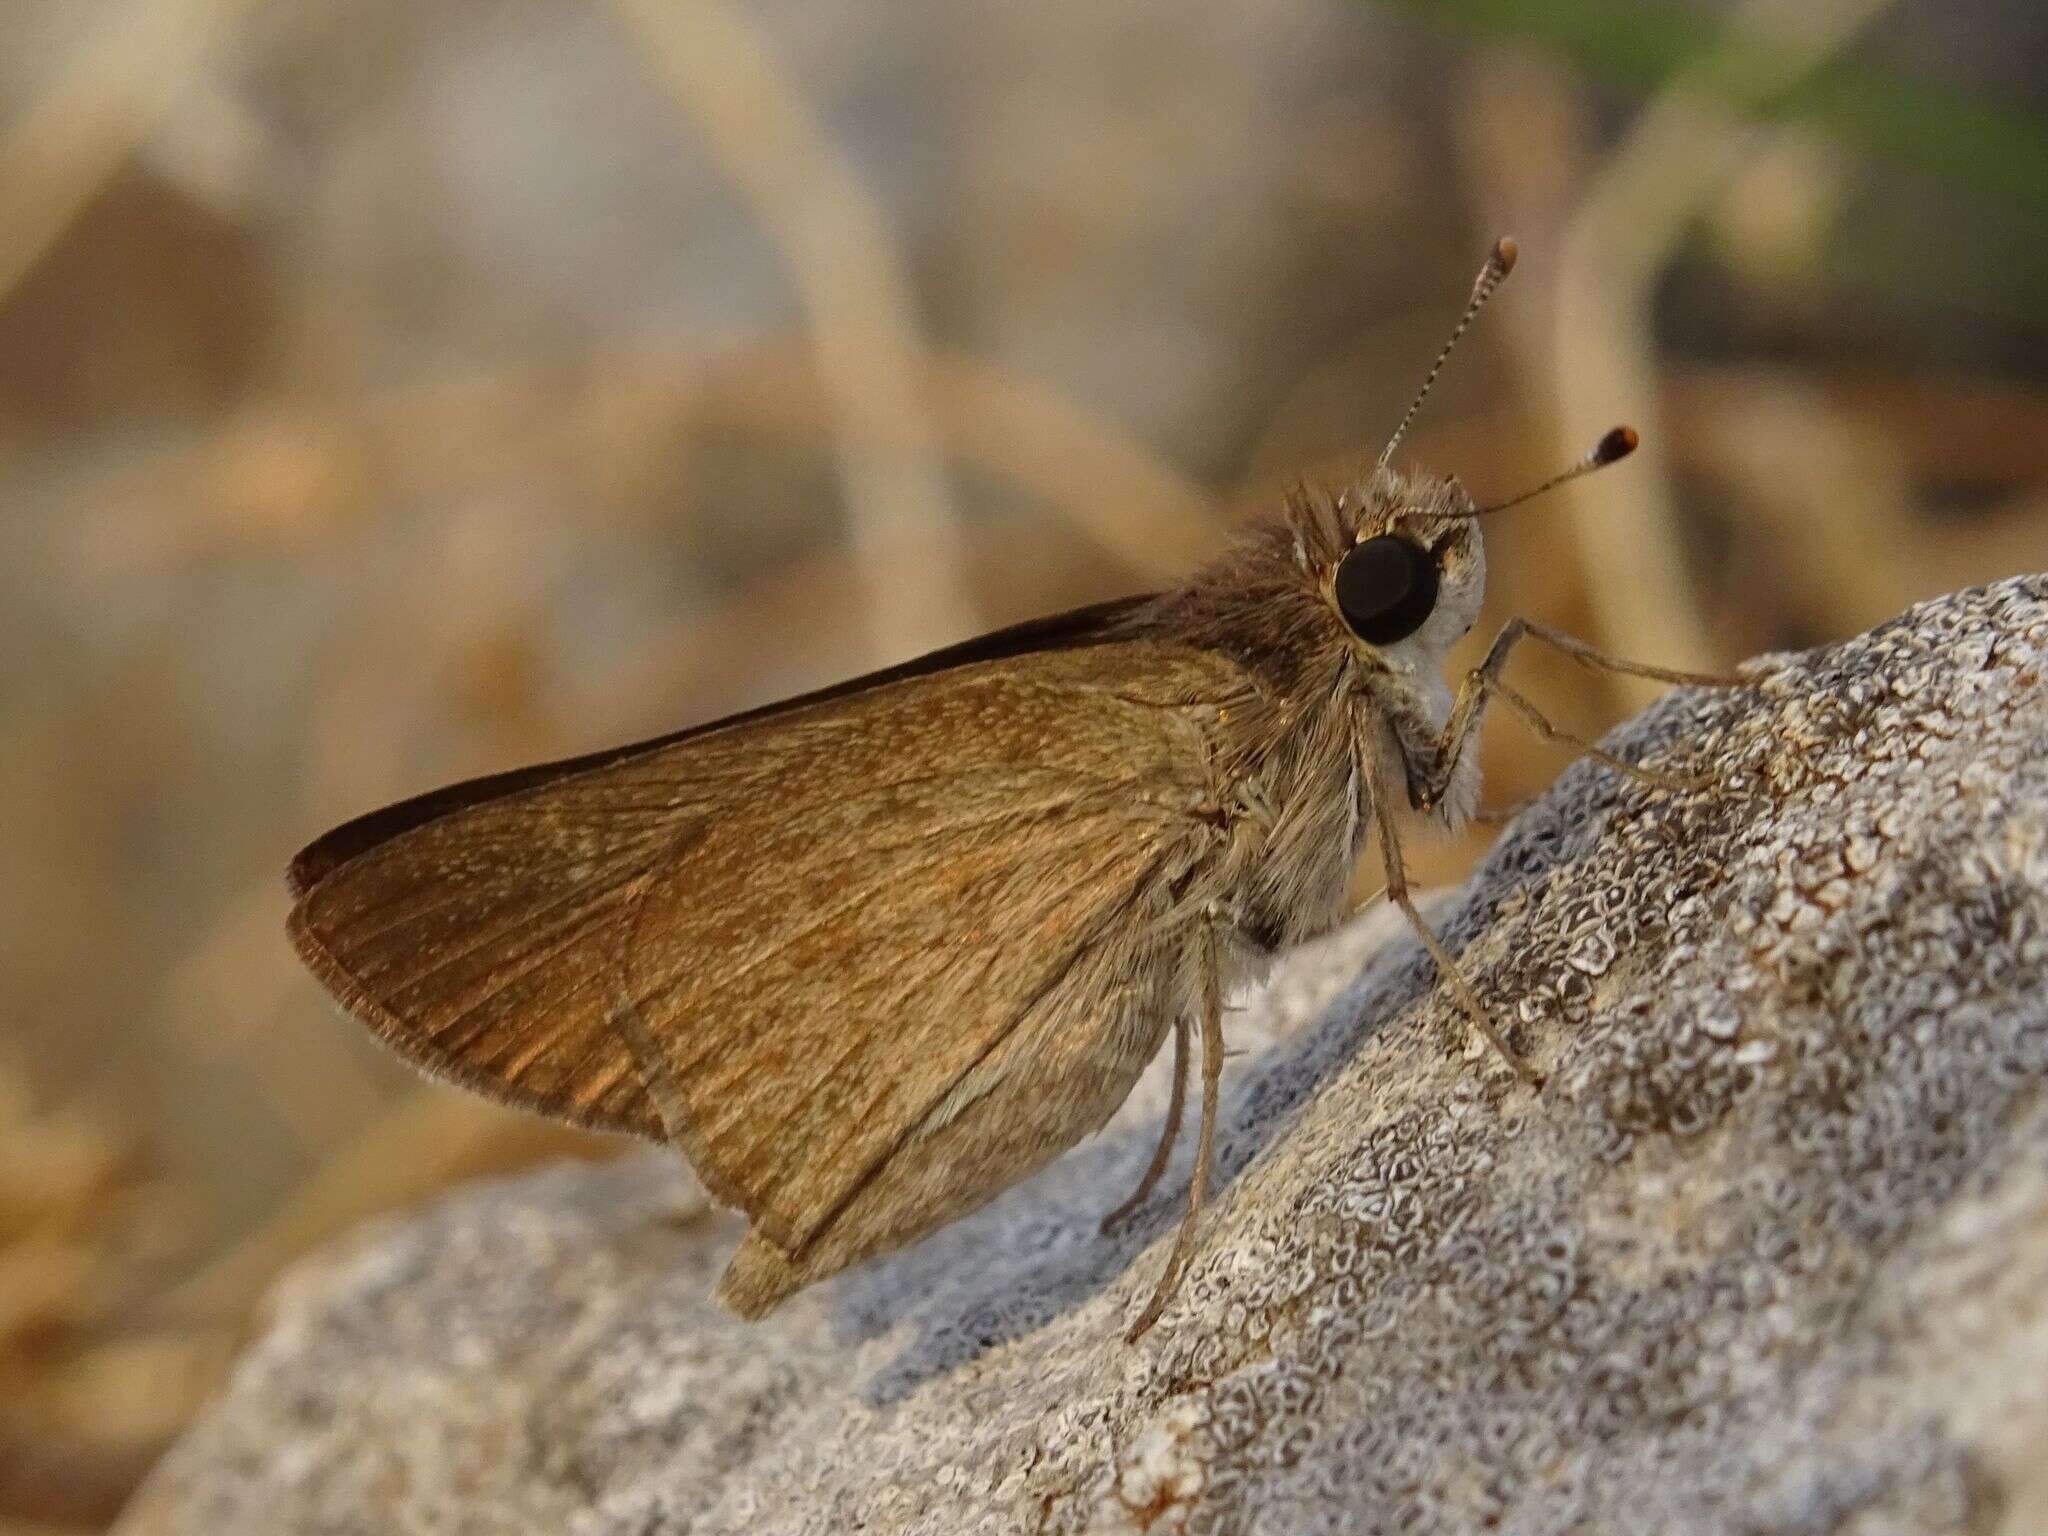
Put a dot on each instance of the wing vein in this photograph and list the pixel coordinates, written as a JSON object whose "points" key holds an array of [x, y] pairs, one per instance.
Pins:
{"points": [[997, 1037], [722, 981]]}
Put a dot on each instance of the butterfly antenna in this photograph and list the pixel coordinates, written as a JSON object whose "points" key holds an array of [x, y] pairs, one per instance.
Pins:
{"points": [[1498, 266], [1617, 444]]}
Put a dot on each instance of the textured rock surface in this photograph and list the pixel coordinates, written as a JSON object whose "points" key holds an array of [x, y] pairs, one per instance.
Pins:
{"points": [[1769, 1252]]}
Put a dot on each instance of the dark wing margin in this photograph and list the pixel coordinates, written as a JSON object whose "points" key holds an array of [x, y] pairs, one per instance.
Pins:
{"points": [[482, 946], [1093, 625]]}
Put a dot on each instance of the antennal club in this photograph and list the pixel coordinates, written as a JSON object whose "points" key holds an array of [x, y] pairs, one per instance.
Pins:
{"points": [[1617, 444], [1498, 266]]}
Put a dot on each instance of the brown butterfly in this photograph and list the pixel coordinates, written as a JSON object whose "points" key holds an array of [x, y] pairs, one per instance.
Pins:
{"points": [[873, 955]]}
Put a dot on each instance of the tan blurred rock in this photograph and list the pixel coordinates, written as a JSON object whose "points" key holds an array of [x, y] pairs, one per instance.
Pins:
{"points": [[1767, 1253]]}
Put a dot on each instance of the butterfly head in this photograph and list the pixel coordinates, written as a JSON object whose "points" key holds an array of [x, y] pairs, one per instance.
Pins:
{"points": [[1381, 579], [1408, 570]]}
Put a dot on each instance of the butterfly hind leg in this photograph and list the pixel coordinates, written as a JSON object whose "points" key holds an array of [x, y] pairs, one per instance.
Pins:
{"points": [[1205, 1141], [1170, 1133]]}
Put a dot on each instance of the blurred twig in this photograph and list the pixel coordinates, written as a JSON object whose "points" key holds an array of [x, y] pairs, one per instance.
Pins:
{"points": [[1102, 481], [57, 155], [1677, 153], [1648, 43], [79, 1226], [448, 431], [58, 1481], [722, 72], [1826, 469]]}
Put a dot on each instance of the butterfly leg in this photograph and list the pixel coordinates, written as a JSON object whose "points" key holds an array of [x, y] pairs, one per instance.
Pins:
{"points": [[1397, 892], [1426, 791], [1205, 1143], [1174, 1108], [1677, 783], [1589, 655]]}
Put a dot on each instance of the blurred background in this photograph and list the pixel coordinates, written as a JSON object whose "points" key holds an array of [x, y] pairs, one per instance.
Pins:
{"points": [[391, 393]]}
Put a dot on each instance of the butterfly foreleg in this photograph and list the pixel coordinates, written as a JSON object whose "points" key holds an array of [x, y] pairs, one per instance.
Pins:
{"points": [[1590, 655], [1427, 788]]}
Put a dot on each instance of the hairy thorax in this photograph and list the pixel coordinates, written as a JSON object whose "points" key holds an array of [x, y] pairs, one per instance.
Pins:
{"points": [[1297, 820]]}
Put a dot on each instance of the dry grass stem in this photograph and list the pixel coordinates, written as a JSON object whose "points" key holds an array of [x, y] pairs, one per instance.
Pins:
{"points": [[55, 157], [1646, 194], [724, 76]]}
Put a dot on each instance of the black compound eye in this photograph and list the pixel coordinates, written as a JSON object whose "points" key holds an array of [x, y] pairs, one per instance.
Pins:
{"points": [[1386, 589]]}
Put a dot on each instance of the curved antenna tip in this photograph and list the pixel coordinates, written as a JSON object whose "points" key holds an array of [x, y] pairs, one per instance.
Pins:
{"points": [[1617, 444], [1499, 263]]}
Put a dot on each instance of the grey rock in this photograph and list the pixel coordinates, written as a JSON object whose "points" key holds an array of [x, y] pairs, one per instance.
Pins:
{"points": [[1768, 1252]]}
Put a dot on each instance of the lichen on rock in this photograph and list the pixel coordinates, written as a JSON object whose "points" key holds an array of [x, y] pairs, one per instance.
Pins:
{"points": [[1765, 1253]]}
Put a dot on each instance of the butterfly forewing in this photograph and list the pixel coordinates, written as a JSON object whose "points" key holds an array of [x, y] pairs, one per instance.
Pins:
{"points": [[483, 945], [1077, 627], [825, 919]]}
